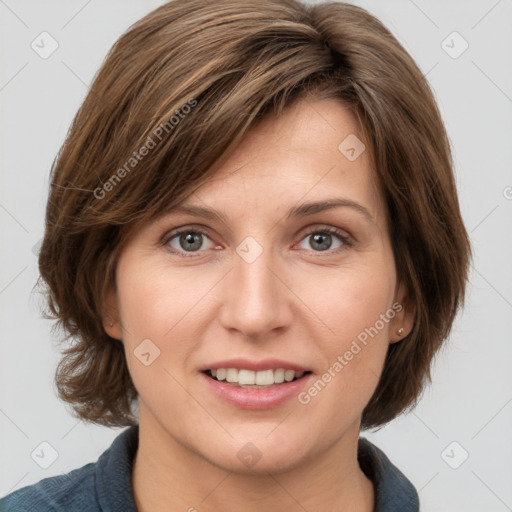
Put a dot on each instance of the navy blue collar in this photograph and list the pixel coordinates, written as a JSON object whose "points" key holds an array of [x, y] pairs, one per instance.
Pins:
{"points": [[393, 491]]}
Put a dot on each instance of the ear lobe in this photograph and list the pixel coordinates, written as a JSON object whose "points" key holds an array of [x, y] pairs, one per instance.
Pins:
{"points": [[403, 322], [110, 315]]}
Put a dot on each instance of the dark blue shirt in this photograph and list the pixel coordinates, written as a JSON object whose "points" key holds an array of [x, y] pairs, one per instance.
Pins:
{"points": [[106, 486]]}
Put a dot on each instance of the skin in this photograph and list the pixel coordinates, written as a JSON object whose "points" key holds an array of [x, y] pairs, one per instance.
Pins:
{"points": [[294, 302]]}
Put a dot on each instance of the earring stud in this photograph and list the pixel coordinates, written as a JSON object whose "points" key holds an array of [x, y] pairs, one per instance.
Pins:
{"points": [[400, 331]]}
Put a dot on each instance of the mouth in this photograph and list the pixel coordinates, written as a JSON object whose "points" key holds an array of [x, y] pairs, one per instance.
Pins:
{"points": [[248, 384], [251, 379]]}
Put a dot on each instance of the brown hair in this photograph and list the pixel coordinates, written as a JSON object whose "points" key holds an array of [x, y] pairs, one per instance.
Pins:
{"points": [[186, 82]]}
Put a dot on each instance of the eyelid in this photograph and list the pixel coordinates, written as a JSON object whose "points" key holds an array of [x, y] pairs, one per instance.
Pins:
{"points": [[171, 234], [346, 239], [344, 236]]}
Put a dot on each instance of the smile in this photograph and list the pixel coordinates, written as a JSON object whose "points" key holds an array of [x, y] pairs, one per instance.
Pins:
{"points": [[254, 379], [255, 389]]}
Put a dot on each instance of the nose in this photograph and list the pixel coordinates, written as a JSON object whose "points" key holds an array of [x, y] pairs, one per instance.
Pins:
{"points": [[256, 300]]}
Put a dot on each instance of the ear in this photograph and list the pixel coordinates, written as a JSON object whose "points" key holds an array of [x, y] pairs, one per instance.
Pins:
{"points": [[405, 312], [110, 314]]}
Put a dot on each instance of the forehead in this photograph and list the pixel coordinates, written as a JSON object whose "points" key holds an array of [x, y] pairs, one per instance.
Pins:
{"points": [[313, 151]]}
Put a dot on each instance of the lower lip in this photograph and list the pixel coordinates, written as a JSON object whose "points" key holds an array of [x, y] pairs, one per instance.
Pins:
{"points": [[254, 398]]}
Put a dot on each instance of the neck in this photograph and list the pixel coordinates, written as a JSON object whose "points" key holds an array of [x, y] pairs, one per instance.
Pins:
{"points": [[168, 476]]}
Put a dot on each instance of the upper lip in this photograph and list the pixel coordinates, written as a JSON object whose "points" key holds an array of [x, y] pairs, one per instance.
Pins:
{"points": [[246, 364]]}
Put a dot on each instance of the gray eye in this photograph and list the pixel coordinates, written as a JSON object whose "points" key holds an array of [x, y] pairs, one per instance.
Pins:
{"points": [[190, 241], [320, 241]]}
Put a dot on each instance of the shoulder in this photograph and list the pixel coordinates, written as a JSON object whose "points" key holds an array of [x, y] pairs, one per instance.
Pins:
{"points": [[72, 491], [393, 490], [102, 485]]}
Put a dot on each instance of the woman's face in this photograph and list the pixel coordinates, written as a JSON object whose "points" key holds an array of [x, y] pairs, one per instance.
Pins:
{"points": [[262, 284]]}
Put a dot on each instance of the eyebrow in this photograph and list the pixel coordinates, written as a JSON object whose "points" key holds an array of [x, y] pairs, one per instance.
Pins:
{"points": [[301, 210]]}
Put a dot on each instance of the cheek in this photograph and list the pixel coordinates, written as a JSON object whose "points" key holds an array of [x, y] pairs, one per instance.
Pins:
{"points": [[350, 300], [156, 307], [155, 298], [356, 306], [162, 310]]}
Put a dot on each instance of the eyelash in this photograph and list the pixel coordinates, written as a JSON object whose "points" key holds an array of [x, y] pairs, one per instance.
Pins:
{"points": [[347, 242]]}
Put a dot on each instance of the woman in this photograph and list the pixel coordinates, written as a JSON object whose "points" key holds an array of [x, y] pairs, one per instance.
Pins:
{"points": [[254, 241]]}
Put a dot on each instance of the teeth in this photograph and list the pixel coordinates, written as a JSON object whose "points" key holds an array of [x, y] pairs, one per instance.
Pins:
{"points": [[265, 377], [279, 376], [246, 377], [289, 375], [232, 375], [260, 378]]}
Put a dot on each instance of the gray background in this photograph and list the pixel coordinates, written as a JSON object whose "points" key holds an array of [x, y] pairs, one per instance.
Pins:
{"points": [[470, 400]]}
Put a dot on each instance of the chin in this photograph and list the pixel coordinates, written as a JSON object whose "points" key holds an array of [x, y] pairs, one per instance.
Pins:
{"points": [[249, 460], [257, 454]]}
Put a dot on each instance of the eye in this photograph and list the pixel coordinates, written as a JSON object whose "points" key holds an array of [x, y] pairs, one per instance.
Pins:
{"points": [[191, 240], [321, 239], [186, 240]]}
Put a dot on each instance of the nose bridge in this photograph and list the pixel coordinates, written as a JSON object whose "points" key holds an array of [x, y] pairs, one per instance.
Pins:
{"points": [[255, 301]]}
